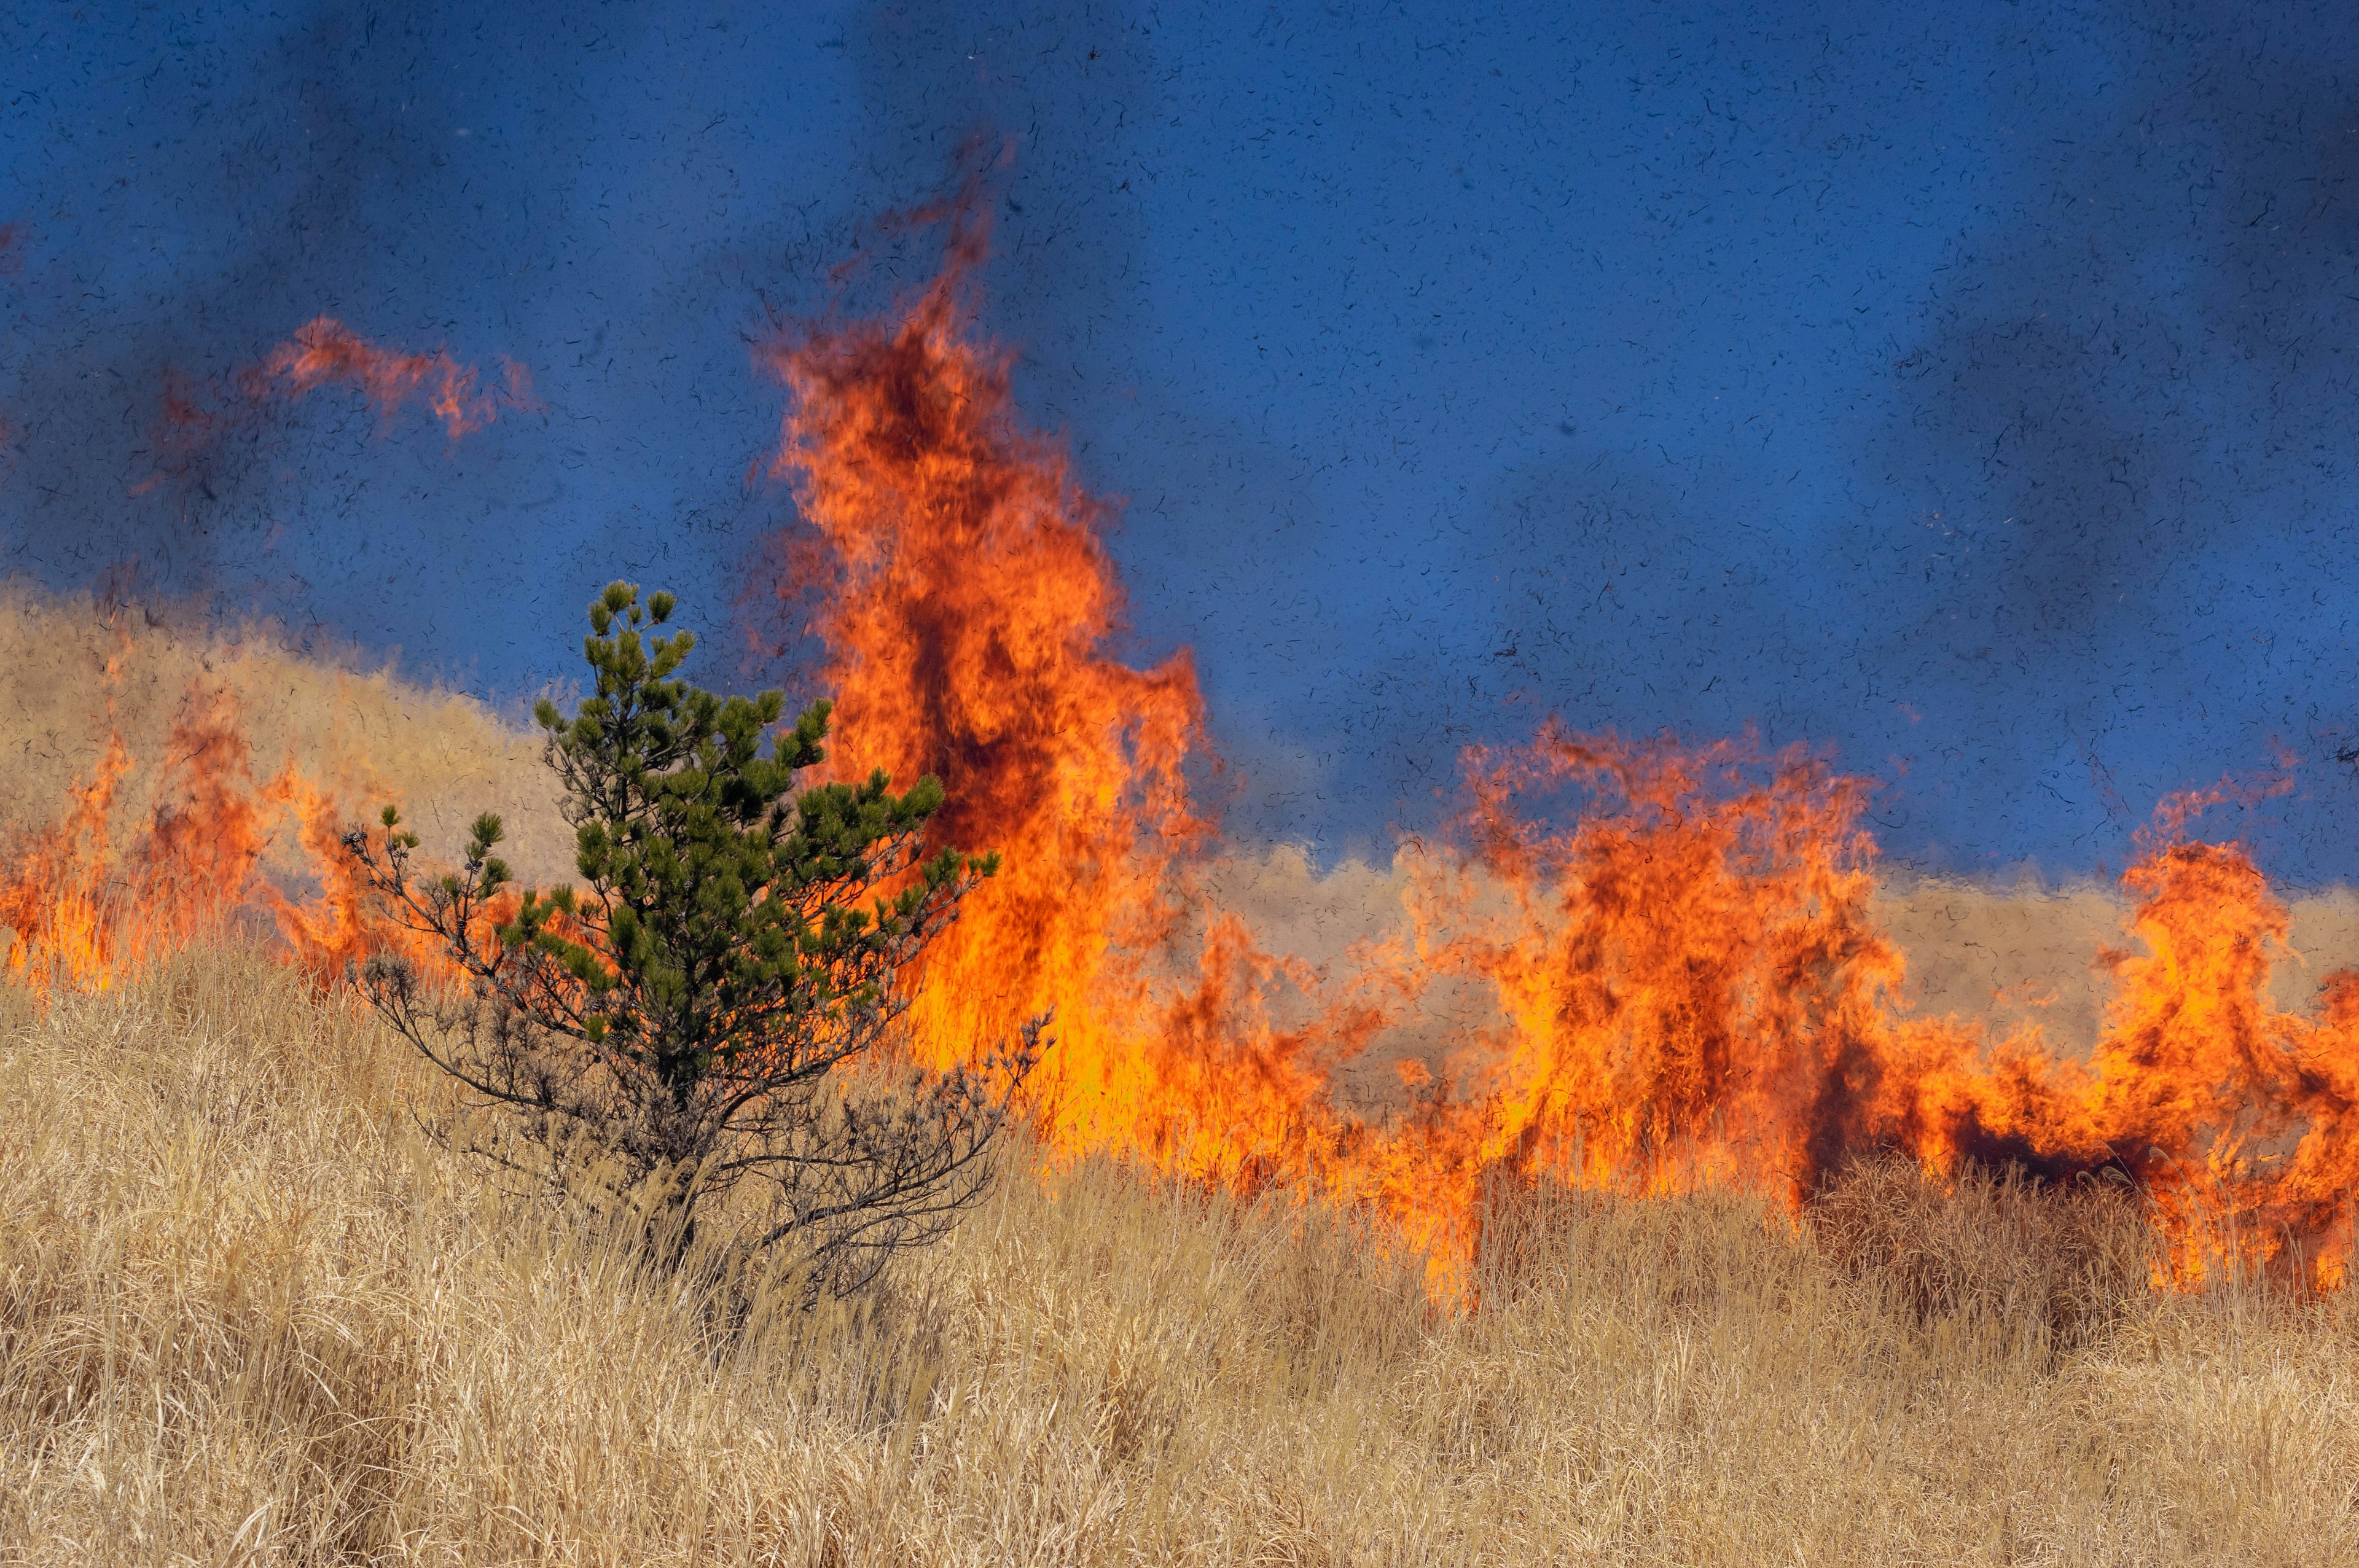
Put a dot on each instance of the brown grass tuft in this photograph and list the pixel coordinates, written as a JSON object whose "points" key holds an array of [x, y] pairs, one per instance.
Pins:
{"points": [[1992, 1261]]}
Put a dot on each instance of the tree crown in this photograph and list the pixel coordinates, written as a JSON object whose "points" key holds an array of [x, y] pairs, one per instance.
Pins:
{"points": [[733, 941]]}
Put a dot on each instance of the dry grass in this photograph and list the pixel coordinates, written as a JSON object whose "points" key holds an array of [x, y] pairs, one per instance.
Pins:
{"points": [[2037, 1274], [247, 1316]]}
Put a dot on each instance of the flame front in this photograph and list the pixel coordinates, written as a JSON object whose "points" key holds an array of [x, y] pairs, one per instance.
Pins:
{"points": [[1691, 985]]}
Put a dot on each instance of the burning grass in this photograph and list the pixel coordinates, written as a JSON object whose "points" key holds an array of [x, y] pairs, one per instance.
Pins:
{"points": [[77, 674], [204, 782], [1610, 949], [247, 1315]]}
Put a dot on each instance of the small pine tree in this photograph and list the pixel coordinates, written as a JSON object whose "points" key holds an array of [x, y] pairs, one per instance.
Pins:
{"points": [[667, 1039]]}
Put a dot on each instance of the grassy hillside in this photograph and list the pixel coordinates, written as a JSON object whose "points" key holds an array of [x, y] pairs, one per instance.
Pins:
{"points": [[247, 1315]]}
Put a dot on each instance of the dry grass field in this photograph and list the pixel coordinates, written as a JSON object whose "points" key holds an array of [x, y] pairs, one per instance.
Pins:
{"points": [[249, 1315]]}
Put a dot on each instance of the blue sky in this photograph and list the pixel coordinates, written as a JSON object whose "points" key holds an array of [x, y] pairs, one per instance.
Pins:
{"points": [[1965, 388]]}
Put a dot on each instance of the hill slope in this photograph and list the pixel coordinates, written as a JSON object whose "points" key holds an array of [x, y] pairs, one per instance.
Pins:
{"points": [[246, 1316]]}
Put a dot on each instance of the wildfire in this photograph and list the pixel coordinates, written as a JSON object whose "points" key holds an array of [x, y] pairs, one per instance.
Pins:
{"points": [[966, 600], [1687, 981], [1690, 984], [1694, 989]]}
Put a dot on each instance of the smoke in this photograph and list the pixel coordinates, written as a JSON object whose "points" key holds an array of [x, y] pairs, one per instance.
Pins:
{"points": [[2115, 393], [263, 171], [287, 177], [2168, 305]]}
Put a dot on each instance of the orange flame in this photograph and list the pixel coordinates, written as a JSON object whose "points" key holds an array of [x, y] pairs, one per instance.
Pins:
{"points": [[324, 352], [87, 915], [1689, 982], [51, 899], [1691, 968], [967, 604]]}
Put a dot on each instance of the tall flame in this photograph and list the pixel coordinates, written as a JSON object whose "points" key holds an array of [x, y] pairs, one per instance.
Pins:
{"points": [[1689, 981], [967, 602]]}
